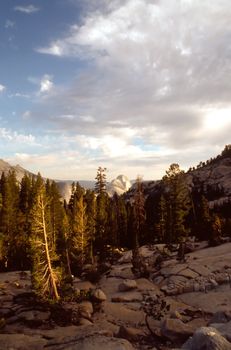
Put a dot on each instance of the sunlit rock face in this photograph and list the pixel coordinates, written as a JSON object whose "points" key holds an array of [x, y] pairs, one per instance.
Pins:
{"points": [[19, 171], [119, 185]]}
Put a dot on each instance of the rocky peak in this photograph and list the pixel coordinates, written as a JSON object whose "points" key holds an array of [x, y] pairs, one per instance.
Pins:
{"points": [[19, 171], [119, 185]]}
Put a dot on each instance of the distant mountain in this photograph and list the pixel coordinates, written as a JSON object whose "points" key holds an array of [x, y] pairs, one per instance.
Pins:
{"points": [[19, 171], [119, 185]]}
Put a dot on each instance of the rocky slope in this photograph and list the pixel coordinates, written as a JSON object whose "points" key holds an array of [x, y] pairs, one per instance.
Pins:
{"points": [[6, 167], [124, 310], [212, 177], [215, 178]]}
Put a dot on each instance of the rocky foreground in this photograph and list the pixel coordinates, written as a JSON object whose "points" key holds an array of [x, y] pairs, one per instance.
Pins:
{"points": [[181, 305]]}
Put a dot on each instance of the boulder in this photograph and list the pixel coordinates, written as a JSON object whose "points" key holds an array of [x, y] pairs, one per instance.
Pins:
{"points": [[99, 296], [224, 329], [207, 338], [85, 309], [145, 285], [125, 314], [127, 285], [34, 317], [197, 323], [126, 258], [130, 333], [175, 330], [144, 251], [221, 317]]}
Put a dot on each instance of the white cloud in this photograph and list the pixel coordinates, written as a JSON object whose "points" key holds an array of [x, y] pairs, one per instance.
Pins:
{"points": [[19, 94], [46, 83], [153, 67], [35, 158], [29, 9], [14, 136], [217, 119], [67, 117], [87, 118], [54, 49], [2, 88], [9, 24]]}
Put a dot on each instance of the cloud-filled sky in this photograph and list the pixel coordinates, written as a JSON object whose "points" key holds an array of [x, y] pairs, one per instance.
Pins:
{"points": [[131, 85]]}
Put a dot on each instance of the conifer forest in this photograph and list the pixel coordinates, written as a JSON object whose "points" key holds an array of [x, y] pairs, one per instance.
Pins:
{"points": [[55, 239]]}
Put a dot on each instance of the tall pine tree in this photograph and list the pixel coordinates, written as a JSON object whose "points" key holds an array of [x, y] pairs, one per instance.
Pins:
{"points": [[45, 276], [178, 204]]}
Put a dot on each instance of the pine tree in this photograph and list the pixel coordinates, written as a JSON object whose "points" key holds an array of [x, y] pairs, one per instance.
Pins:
{"points": [[215, 237], [204, 218], [78, 240], [102, 202], [178, 204], [21, 252], [113, 221], [139, 220], [100, 185], [90, 200], [101, 239], [161, 224], [56, 210], [122, 222], [8, 218], [45, 276], [139, 211], [25, 193], [117, 223]]}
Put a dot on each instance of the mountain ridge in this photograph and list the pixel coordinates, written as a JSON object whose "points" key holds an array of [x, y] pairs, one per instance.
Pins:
{"points": [[213, 177]]}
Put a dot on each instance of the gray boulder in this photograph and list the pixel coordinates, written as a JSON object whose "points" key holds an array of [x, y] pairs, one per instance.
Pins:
{"points": [[207, 338], [224, 329]]}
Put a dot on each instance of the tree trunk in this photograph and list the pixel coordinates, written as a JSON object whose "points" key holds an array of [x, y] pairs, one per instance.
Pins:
{"points": [[53, 282]]}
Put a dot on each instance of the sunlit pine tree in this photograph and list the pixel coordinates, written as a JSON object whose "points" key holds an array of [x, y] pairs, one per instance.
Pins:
{"points": [[45, 277]]}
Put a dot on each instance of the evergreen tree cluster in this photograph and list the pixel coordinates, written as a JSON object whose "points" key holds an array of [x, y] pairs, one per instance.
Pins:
{"points": [[54, 239]]}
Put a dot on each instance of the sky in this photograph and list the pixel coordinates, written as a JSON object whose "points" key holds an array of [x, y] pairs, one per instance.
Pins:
{"points": [[130, 85]]}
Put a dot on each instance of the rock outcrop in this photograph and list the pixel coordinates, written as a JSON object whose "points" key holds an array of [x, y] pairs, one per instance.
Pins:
{"points": [[119, 185], [207, 338], [124, 312]]}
